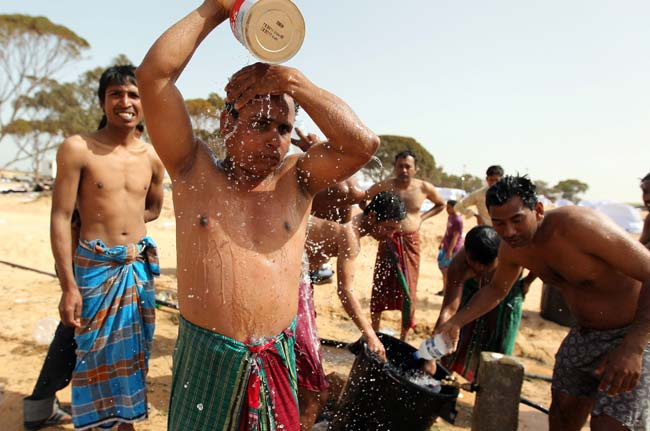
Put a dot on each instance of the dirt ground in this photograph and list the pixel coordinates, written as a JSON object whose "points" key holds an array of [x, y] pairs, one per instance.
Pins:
{"points": [[26, 297]]}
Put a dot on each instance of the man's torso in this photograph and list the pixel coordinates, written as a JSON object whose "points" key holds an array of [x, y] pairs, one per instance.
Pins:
{"points": [[599, 296], [239, 253], [413, 198], [112, 192]]}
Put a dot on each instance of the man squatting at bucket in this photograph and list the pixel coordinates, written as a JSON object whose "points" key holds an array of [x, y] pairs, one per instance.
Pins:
{"points": [[107, 283], [326, 239], [471, 269], [603, 364], [241, 225], [397, 266]]}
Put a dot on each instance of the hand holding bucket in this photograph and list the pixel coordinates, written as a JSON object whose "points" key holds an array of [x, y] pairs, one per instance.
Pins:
{"points": [[272, 30]]}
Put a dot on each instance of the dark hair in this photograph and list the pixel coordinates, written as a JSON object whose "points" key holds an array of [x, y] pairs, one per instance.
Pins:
{"points": [[451, 202], [508, 187], [404, 154], [387, 206], [646, 178], [229, 107], [482, 244], [114, 75], [494, 170]]}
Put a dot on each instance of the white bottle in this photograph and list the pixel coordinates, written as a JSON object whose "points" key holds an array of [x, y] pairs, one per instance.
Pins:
{"points": [[434, 348]]}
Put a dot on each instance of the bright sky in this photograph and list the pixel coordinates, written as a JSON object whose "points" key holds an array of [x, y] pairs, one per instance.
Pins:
{"points": [[556, 88]]}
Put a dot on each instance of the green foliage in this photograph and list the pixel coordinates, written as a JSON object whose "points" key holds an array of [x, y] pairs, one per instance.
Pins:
{"points": [[39, 27], [205, 115], [570, 189], [390, 146], [427, 169]]}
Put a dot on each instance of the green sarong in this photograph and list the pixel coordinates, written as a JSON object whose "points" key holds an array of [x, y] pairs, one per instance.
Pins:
{"points": [[222, 384], [494, 332]]}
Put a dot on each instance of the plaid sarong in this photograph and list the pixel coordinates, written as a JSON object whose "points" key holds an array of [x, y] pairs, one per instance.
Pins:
{"points": [[395, 279], [223, 384], [116, 334], [494, 332]]}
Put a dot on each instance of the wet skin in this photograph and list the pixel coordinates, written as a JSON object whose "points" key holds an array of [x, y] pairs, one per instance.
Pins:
{"points": [[241, 223], [603, 273], [335, 203], [327, 239], [115, 182], [412, 191]]}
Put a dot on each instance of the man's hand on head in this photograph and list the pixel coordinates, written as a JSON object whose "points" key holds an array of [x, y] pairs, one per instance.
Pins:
{"points": [[260, 79], [305, 142]]}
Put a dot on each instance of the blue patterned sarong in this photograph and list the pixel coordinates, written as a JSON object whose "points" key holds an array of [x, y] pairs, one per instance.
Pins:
{"points": [[116, 334]]}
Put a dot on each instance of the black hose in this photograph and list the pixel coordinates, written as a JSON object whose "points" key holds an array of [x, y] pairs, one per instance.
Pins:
{"points": [[529, 403], [27, 268]]}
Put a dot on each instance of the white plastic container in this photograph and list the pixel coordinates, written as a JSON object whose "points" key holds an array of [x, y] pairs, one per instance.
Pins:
{"points": [[272, 30], [434, 348]]}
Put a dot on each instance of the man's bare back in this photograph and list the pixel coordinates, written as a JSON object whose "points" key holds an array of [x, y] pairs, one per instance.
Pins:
{"points": [[599, 295]]}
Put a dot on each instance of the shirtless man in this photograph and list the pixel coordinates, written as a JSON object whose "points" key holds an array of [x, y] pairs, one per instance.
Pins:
{"points": [[334, 203], [477, 198], [603, 365], [327, 239], [241, 226], [114, 180], [645, 188], [387, 291]]}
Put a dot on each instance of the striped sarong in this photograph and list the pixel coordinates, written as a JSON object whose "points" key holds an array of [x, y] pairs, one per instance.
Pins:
{"points": [[223, 384], [494, 332], [116, 334], [395, 279]]}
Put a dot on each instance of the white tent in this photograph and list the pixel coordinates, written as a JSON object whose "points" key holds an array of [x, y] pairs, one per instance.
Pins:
{"points": [[624, 215]]}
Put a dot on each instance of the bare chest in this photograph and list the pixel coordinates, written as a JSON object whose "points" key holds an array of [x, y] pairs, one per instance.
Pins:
{"points": [[123, 172]]}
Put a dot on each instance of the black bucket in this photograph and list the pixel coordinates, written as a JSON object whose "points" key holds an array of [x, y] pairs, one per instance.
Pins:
{"points": [[377, 395]]}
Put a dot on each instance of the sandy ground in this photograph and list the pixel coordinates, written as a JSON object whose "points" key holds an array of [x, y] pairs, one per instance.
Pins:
{"points": [[27, 297]]}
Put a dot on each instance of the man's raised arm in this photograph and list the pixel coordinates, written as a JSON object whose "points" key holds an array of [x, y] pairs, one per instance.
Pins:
{"points": [[168, 122]]}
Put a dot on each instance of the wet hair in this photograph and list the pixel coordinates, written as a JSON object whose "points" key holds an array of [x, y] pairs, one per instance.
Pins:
{"points": [[119, 75], [229, 107], [404, 154], [451, 202], [646, 178], [494, 170], [510, 186], [387, 206], [482, 244]]}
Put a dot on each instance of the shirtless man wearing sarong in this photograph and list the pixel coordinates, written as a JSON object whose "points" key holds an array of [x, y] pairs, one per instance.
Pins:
{"points": [[241, 225], [327, 239], [387, 291], [645, 188], [603, 365], [114, 180]]}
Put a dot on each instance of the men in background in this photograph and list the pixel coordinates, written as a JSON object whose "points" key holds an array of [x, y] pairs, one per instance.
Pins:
{"points": [[397, 266], [325, 240], [451, 242], [477, 198], [645, 234], [241, 225], [114, 181], [603, 366], [334, 203], [472, 269]]}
